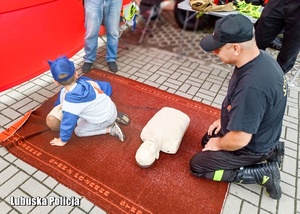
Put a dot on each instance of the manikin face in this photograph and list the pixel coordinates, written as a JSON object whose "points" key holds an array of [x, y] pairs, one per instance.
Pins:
{"points": [[147, 153]]}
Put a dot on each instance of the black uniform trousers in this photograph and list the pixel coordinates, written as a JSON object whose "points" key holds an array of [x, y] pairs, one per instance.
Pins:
{"points": [[224, 164], [276, 16]]}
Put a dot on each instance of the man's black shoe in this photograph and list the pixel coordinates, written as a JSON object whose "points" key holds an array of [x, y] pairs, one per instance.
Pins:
{"points": [[271, 179], [266, 175], [112, 66], [277, 154], [276, 43], [87, 67]]}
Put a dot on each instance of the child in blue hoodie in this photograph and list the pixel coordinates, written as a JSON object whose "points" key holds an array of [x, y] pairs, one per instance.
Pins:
{"points": [[82, 106]]}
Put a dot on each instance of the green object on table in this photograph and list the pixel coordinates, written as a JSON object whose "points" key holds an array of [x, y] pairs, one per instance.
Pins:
{"points": [[249, 9]]}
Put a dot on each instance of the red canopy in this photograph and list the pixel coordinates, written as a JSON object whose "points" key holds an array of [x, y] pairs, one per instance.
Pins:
{"points": [[34, 31]]}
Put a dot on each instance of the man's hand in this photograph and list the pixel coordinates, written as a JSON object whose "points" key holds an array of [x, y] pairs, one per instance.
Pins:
{"points": [[57, 142], [215, 125], [232, 141], [212, 144]]}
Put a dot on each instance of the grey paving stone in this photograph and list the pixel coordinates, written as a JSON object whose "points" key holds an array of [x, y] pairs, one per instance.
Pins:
{"points": [[35, 188], [268, 204], [9, 157], [7, 100], [41, 209], [14, 182], [86, 205], [242, 192], [29, 106], [154, 84], [62, 190], [161, 80], [38, 98], [7, 173], [39, 175], [61, 209], [192, 90], [154, 68], [126, 68], [289, 124], [25, 87], [19, 201], [46, 92], [248, 208], [292, 134], [289, 179], [4, 121], [40, 82], [15, 95], [233, 205], [204, 96], [3, 151], [288, 189], [291, 119], [4, 207], [291, 166], [77, 211], [3, 165], [50, 182], [194, 81], [97, 210], [286, 205], [10, 113], [293, 112], [153, 77], [25, 167], [44, 209], [183, 95], [184, 88]]}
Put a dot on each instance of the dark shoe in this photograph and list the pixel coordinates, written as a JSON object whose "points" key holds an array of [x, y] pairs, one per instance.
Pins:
{"points": [[112, 66], [276, 43], [87, 67], [122, 118], [278, 154], [266, 175]]}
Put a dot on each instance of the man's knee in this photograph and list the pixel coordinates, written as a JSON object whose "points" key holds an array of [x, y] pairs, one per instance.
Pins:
{"points": [[196, 168]]}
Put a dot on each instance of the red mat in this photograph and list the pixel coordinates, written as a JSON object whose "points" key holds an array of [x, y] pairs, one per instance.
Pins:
{"points": [[103, 169]]}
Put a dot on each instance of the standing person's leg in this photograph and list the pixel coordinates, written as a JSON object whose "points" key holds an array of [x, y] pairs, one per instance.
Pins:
{"points": [[291, 36], [112, 14], [93, 19], [270, 24]]}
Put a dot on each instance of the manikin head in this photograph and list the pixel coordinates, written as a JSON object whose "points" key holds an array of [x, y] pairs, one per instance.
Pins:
{"points": [[147, 153]]}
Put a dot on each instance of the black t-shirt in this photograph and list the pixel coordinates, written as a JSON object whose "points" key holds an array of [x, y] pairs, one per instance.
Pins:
{"points": [[255, 102]]}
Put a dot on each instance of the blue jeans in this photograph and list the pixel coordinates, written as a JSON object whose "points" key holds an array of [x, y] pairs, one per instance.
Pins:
{"points": [[98, 12]]}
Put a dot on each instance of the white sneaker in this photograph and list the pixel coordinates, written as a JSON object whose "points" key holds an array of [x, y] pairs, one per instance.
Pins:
{"points": [[116, 131]]}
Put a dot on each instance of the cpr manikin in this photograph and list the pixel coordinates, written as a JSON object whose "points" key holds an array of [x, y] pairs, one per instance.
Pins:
{"points": [[163, 132]]}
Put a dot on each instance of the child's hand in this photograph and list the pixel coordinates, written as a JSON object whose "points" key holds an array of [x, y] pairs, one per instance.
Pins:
{"points": [[57, 142]]}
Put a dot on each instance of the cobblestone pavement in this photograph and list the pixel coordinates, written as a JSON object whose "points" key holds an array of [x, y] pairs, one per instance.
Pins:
{"points": [[195, 75]]}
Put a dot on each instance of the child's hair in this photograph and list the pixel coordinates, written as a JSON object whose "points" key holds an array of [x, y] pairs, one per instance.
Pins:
{"points": [[62, 70], [68, 81]]}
